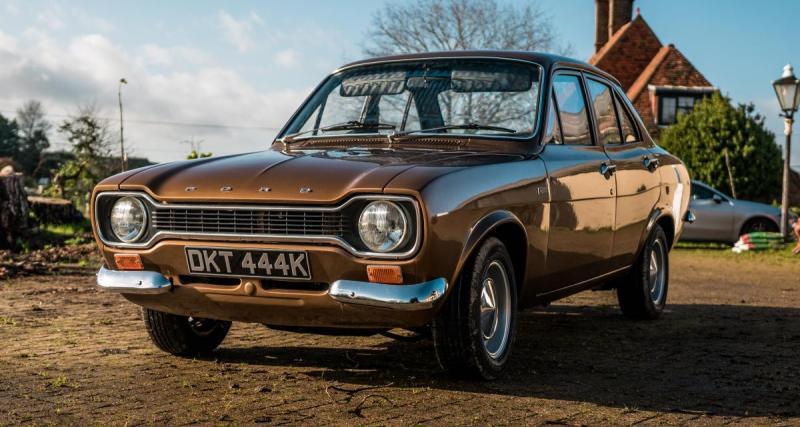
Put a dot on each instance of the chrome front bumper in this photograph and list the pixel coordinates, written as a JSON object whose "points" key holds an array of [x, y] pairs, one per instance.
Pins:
{"points": [[420, 296], [399, 297], [133, 282]]}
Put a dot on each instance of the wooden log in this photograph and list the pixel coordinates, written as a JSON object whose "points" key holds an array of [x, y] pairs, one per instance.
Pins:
{"points": [[53, 210], [13, 210]]}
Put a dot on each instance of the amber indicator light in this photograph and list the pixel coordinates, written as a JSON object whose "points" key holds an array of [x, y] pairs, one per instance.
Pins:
{"points": [[385, 274], [128, 262]]}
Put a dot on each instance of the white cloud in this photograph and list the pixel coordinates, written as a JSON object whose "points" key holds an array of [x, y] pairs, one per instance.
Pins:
{"points": [[51, 17], [64, 73], [287, 58], [238, 31]]}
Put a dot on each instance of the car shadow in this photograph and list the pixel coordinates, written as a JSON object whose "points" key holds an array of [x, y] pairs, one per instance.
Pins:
{"points": [[731, 360]]}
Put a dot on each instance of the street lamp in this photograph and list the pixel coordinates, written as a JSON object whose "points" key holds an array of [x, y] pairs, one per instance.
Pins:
{"points": [[788, 90], [122, 156]]}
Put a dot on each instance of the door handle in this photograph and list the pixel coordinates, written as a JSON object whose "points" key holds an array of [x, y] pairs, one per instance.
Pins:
{"points": [[607, 169], [650, 163]]}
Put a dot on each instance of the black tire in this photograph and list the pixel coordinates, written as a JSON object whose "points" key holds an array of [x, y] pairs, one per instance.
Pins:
{"points": [[457, 330], [184, 336], [759, 224], [641, 296]]}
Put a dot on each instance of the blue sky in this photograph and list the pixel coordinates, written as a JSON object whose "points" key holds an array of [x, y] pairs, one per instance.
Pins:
{"points": [[248, 65]]}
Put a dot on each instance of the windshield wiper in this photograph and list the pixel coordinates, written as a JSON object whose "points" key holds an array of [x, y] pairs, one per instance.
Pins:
{"points": [[349, 125], [476, 126]]}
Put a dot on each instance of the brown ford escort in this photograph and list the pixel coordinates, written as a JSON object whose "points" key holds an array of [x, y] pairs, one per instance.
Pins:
{"points": [[437, 192]]}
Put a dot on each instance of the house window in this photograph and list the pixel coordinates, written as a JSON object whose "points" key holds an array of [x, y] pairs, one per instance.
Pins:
{"points": [[672, 105]]}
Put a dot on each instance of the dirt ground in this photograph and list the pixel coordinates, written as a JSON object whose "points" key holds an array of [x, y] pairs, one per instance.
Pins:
{"points": [[726, 352]]}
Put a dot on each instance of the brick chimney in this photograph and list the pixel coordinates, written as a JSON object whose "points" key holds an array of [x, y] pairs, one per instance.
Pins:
{"points": [[601, 24], [619, 14], [610, 16]]}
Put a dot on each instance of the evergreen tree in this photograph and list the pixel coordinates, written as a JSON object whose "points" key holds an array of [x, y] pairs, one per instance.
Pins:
{"points": [[702, 137]]}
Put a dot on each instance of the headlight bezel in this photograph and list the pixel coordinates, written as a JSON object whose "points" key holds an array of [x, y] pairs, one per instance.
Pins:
{"points": [[405, 234], [144, 224]]}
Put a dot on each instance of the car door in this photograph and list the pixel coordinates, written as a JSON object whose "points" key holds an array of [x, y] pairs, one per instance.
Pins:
{"points": [[581, 188], [636, 173], [713, 216]]}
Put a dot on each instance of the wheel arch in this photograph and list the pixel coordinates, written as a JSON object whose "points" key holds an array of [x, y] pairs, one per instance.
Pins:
{"points": [[755, 217], [664, 219], [509, 229]]}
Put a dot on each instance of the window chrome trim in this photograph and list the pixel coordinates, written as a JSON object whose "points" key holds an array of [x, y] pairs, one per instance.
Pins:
{"points": [[260, 238]]}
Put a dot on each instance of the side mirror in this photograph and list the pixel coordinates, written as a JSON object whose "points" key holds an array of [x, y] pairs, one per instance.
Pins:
{"points": [[717, 199]]}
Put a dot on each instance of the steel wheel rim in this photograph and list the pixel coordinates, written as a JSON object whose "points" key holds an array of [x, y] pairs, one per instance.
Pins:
{"points": [[495, 310], [656, 271]]}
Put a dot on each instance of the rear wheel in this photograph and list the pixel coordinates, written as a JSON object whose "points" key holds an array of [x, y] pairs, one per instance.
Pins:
{"points": [[643, 293], [759, 224], [184, 336], [474, 331]]}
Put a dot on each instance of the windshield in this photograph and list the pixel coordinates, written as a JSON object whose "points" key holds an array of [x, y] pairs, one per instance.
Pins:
{"points": [[449, 97]]}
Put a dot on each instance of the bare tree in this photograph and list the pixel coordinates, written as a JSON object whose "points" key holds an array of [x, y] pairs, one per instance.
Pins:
{"points": [[436, 25], [33, 130]]}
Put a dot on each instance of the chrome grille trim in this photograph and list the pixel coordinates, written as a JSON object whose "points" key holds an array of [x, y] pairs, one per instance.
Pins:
{"points": [[222, 220], [293, 224]]}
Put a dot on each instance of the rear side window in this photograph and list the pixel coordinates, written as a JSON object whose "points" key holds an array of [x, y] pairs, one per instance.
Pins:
{"points": [[572, 110], [604, 112]]}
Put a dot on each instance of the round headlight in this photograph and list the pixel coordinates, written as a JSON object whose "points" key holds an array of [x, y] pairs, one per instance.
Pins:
{"points": [[382, 226], [128, 219]]}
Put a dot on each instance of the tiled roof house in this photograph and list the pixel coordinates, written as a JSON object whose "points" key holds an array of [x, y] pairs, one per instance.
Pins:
{"points": [[658, 78]]}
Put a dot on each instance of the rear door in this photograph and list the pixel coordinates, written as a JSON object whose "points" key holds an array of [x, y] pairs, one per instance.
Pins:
{"points": [[636, 172], [582, 196]]}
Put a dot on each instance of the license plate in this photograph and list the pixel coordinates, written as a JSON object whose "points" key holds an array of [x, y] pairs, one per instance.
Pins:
{"points": [[269, 264]]}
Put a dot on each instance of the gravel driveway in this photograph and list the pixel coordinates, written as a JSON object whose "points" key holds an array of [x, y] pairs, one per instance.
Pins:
{"points": [[727, 351]]}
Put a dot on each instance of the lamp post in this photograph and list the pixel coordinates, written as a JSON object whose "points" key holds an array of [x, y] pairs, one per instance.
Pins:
{"points": [[122, 155], [788, 90]]}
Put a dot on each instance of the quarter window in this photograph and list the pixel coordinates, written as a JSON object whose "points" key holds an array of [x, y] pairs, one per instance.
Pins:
{"points": [[553, 134], [572, 110], [603, 103], [629, 133]]}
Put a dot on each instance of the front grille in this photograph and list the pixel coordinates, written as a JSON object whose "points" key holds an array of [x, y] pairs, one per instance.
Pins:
{"points": [[279, 222]]}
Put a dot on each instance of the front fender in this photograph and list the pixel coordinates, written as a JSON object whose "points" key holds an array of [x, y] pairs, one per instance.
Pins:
{"points": [[479, 231]]}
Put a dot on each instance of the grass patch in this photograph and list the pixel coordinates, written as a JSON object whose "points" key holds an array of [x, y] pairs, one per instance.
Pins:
{"points": [[62, 382], [7, 321], [724, 251], [48, 235]]}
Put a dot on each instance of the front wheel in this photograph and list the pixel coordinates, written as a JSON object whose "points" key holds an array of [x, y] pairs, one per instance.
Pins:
{"points": [[184, 336], [760, 225], [474, 331], [643, 293]]}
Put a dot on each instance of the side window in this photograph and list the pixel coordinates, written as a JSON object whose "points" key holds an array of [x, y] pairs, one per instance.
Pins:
{"points": [[572, 110], [629, 133], [603, 103], [701, 193], [553, 131]]}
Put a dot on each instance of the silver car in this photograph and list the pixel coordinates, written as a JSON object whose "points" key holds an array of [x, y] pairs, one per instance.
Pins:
{"points": [[721, 218]]}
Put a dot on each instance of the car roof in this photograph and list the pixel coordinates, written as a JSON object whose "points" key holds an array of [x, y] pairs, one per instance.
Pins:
{"points": [[546, 60]]}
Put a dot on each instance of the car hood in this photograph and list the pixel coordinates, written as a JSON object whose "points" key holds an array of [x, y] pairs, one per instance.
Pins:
{"points": [[300, 176]]}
